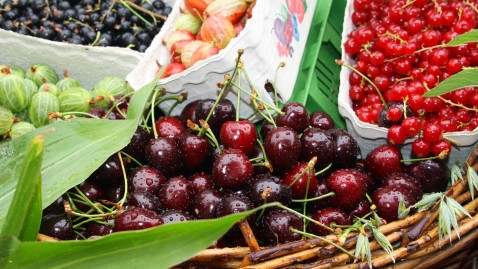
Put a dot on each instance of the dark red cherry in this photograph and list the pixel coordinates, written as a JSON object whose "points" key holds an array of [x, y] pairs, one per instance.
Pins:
{"points": [[143, 199], [257, 157], [171, 127], [266, 127], [432, 174], [57, 226], [114, 193], [387, 200], [224, 111], [146, 178], [163, 154], [321, 120], [196, 152], [404, 182], [233, 203], [318, 143], [138, 143], [361, 209], [302, 186], [294, 116], [201, 181], [176, 193], [349, 186], [277, 191], [282, 147], [241, 135], [383, 161], [109, 173], [205, 203], [92, 191], [327, 216], [347, 151], [320, 203], [189, 112], [136, 219], [174, 216], [232, 169], [275, 227], [55, 207], [94, 228]]}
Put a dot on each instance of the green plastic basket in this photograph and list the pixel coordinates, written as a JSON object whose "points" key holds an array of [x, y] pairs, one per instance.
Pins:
{"points": [[318, 81]]}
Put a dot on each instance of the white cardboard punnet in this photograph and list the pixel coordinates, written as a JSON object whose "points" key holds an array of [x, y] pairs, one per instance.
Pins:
{"points": [[261, 57], [370, 136]]}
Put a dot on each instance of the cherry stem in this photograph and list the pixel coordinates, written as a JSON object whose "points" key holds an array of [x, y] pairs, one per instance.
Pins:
{"points": [[238, 105], [419, 159], [306, 217], [210, 135], [96, 219], [307, 169], [85, 199], [228, 80], [153, 120], [181, 98], [324, 169], [274, 83], [329, 194], [323, 239], [114, 106], [340, 62], [132, 158], [125, 177]]}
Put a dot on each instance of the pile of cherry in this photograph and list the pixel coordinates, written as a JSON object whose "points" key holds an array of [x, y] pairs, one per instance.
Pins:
{"points": [[399, 47], [175, 174]]}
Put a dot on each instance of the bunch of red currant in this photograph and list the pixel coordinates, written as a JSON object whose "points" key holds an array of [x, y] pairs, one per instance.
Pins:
{"points": [[399, 53]]}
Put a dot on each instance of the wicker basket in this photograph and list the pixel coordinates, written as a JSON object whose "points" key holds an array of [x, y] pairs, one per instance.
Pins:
{"points": [[416, 239]]}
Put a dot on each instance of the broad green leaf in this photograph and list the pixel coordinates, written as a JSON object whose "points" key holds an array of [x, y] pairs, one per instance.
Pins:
{"points": [[24, 215], [465, 78], [73, 151], [159, 247], [471, 36]]}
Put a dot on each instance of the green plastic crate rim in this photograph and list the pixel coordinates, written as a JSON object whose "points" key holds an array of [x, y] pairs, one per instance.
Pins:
{"points": [[317, 84]]}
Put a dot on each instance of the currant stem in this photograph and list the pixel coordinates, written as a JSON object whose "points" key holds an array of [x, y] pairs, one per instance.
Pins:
{"points": [[340, 62]]}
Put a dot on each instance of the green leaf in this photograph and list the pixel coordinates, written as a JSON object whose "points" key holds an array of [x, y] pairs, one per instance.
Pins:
{"points": [[383, 242], [24, 214], [427, 201], [472, 181], [471, 36], [73, 151], [465, 78], [159, 247]]}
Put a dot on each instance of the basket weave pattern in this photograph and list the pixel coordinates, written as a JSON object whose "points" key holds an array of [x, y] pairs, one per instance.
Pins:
{"points": [[416, 240]]}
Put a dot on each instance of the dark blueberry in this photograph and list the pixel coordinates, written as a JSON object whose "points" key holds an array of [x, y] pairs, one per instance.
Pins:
{"points": [[8, 25], [11, 14], [47, 33], [99, 27], [64, 5], [71, 26], [64, 35], [94, 17], [128, 40], [125, 26], [110, 21], [142, 47], [123, 12], [159, 4], [144, 38]]}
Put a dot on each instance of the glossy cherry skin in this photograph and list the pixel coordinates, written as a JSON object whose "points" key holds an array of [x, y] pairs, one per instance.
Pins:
{"points": [[232, 169], [432, 174], [266, 127], [360, 210], [349, 186], [347, 151], [138, 143], [241, 135], [233, 203], [387, 200], [189, 112], [177, 193], [98, 229], [384, 161], [109, 173], [136, 219], [163, 154], [318, 143], [277, 191], [174, 216], [224, 111], [201, 181], [327, 216], [196, 152], [304, 186], [146, 178], [92, 191], [168, 126], [205, 203], [283, 147], [143, 199], [275, 227], [405, 182], [321, 120], [294, 116], [58, 226]]}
